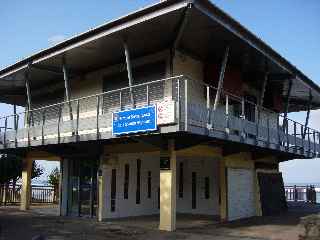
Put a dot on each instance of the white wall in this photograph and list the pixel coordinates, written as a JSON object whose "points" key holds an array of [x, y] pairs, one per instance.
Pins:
{"points": [[150, 162], [204, 167]]}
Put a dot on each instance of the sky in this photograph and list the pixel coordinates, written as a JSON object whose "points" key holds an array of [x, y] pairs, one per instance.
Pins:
{"points": [[291, 27]]}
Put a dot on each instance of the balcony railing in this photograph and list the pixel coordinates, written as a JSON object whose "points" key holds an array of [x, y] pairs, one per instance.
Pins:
{"points": [[90, 118]]}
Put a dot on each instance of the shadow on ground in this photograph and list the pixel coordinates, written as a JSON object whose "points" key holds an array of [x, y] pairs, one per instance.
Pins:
{"points": [[16, 225]]}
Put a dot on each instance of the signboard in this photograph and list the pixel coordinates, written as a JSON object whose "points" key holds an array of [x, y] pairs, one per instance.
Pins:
{"points": [[166, 112], [134, 120]]}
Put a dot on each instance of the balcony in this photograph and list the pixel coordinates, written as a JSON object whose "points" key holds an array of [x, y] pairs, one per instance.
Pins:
{"points": [[183, 105]]}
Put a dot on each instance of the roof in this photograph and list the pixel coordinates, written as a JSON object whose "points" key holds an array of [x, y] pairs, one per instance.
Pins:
{"points": [[154, 27]]}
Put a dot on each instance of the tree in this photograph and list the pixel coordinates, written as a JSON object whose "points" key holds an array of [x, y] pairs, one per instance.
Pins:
{"points": [[11, 168], [54, 179]]}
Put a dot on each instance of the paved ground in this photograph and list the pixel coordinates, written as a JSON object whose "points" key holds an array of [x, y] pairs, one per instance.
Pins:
{"points": [[16, 225]]}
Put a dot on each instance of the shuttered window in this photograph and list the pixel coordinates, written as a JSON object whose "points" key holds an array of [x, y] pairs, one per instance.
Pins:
{"points": [[141, 74]]}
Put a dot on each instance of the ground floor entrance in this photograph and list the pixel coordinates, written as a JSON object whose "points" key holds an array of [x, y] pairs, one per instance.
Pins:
{"points": [[81, 187], [128, 179]]}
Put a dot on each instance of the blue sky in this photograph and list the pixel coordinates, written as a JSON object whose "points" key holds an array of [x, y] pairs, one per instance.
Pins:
{"points": [[291, 27]]}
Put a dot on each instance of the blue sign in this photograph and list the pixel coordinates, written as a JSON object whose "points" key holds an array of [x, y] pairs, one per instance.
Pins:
{"points": [[134, 120]]}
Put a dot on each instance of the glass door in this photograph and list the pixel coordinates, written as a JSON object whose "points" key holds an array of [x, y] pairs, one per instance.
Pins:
{"points": [[82, 188]]}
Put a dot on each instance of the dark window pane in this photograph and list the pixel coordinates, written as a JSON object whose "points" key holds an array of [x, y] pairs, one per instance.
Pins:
{"points": [[138, 181], [149, 184], [207, 187], [194, 190], [126, 181], [113, 189], [181, 181]]}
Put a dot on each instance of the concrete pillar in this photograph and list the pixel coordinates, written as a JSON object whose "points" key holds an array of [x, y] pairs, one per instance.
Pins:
{"points": [[223, 191], [168, 192], [64, 189], [26, 184], [102, 189]]}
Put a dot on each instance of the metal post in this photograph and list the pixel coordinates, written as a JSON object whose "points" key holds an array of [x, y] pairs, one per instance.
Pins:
{"points": [[16, 131], [227, 114], [59, 119], [98, 110], [308, 114], [208, 105], [179, 107], [257, 107], [295, 135], [286, 109], [221, 78], [263, 90], [5, 132], [27, 76], [268, 130], [148, 100], [42, 127], [243, 114], [309, 142], [120, 100], [243, 117], [77, 126], [15, 116], [314, 142], [278, 130], [67, 85], [287, 135], [186, 105], [129, 70]]}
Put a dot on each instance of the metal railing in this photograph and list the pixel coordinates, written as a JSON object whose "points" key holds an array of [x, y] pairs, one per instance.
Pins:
{"points": [[10, 194], [301, 193], [90, 117]]}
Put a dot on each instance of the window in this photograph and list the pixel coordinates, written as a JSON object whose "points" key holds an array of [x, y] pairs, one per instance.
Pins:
{"points": [[181, 180], [113, 189], [126, 181], [149, 184], [206, 187], [194, 190], [138, 181], [141, 74], [250, 110]]}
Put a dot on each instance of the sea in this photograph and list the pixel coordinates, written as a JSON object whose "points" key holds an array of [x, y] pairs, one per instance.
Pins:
{"points": [[317, 187]]}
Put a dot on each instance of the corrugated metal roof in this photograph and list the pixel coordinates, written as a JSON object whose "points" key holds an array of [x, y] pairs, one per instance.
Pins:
{"points": [[155, 10]]}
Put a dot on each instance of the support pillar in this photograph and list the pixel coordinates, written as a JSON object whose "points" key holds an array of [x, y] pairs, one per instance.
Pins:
{"points": [[67, 86], [223, 191], [102, 189], [221, 78], [64, 187], [26, 184], [129, 70], [168, 191]]}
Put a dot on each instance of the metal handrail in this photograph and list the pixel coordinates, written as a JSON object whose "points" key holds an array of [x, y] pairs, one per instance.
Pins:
{"points": [[94, 95], [180, 79]]}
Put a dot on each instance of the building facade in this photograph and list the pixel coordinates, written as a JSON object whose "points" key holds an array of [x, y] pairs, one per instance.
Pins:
{"points": [[175, 108]]}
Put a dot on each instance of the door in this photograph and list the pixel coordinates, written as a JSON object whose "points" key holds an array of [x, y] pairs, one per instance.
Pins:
{"points": [[272, 193], [241, 202], [82, 194]]}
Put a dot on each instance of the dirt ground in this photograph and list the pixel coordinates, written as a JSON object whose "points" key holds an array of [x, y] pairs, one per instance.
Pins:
{"points": [[36, 224]]}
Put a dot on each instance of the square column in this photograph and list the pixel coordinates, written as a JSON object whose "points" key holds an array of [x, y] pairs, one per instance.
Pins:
{"points": [[64, 183], [26, 184], [223, 191], [168, 191], [102, 189]]}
